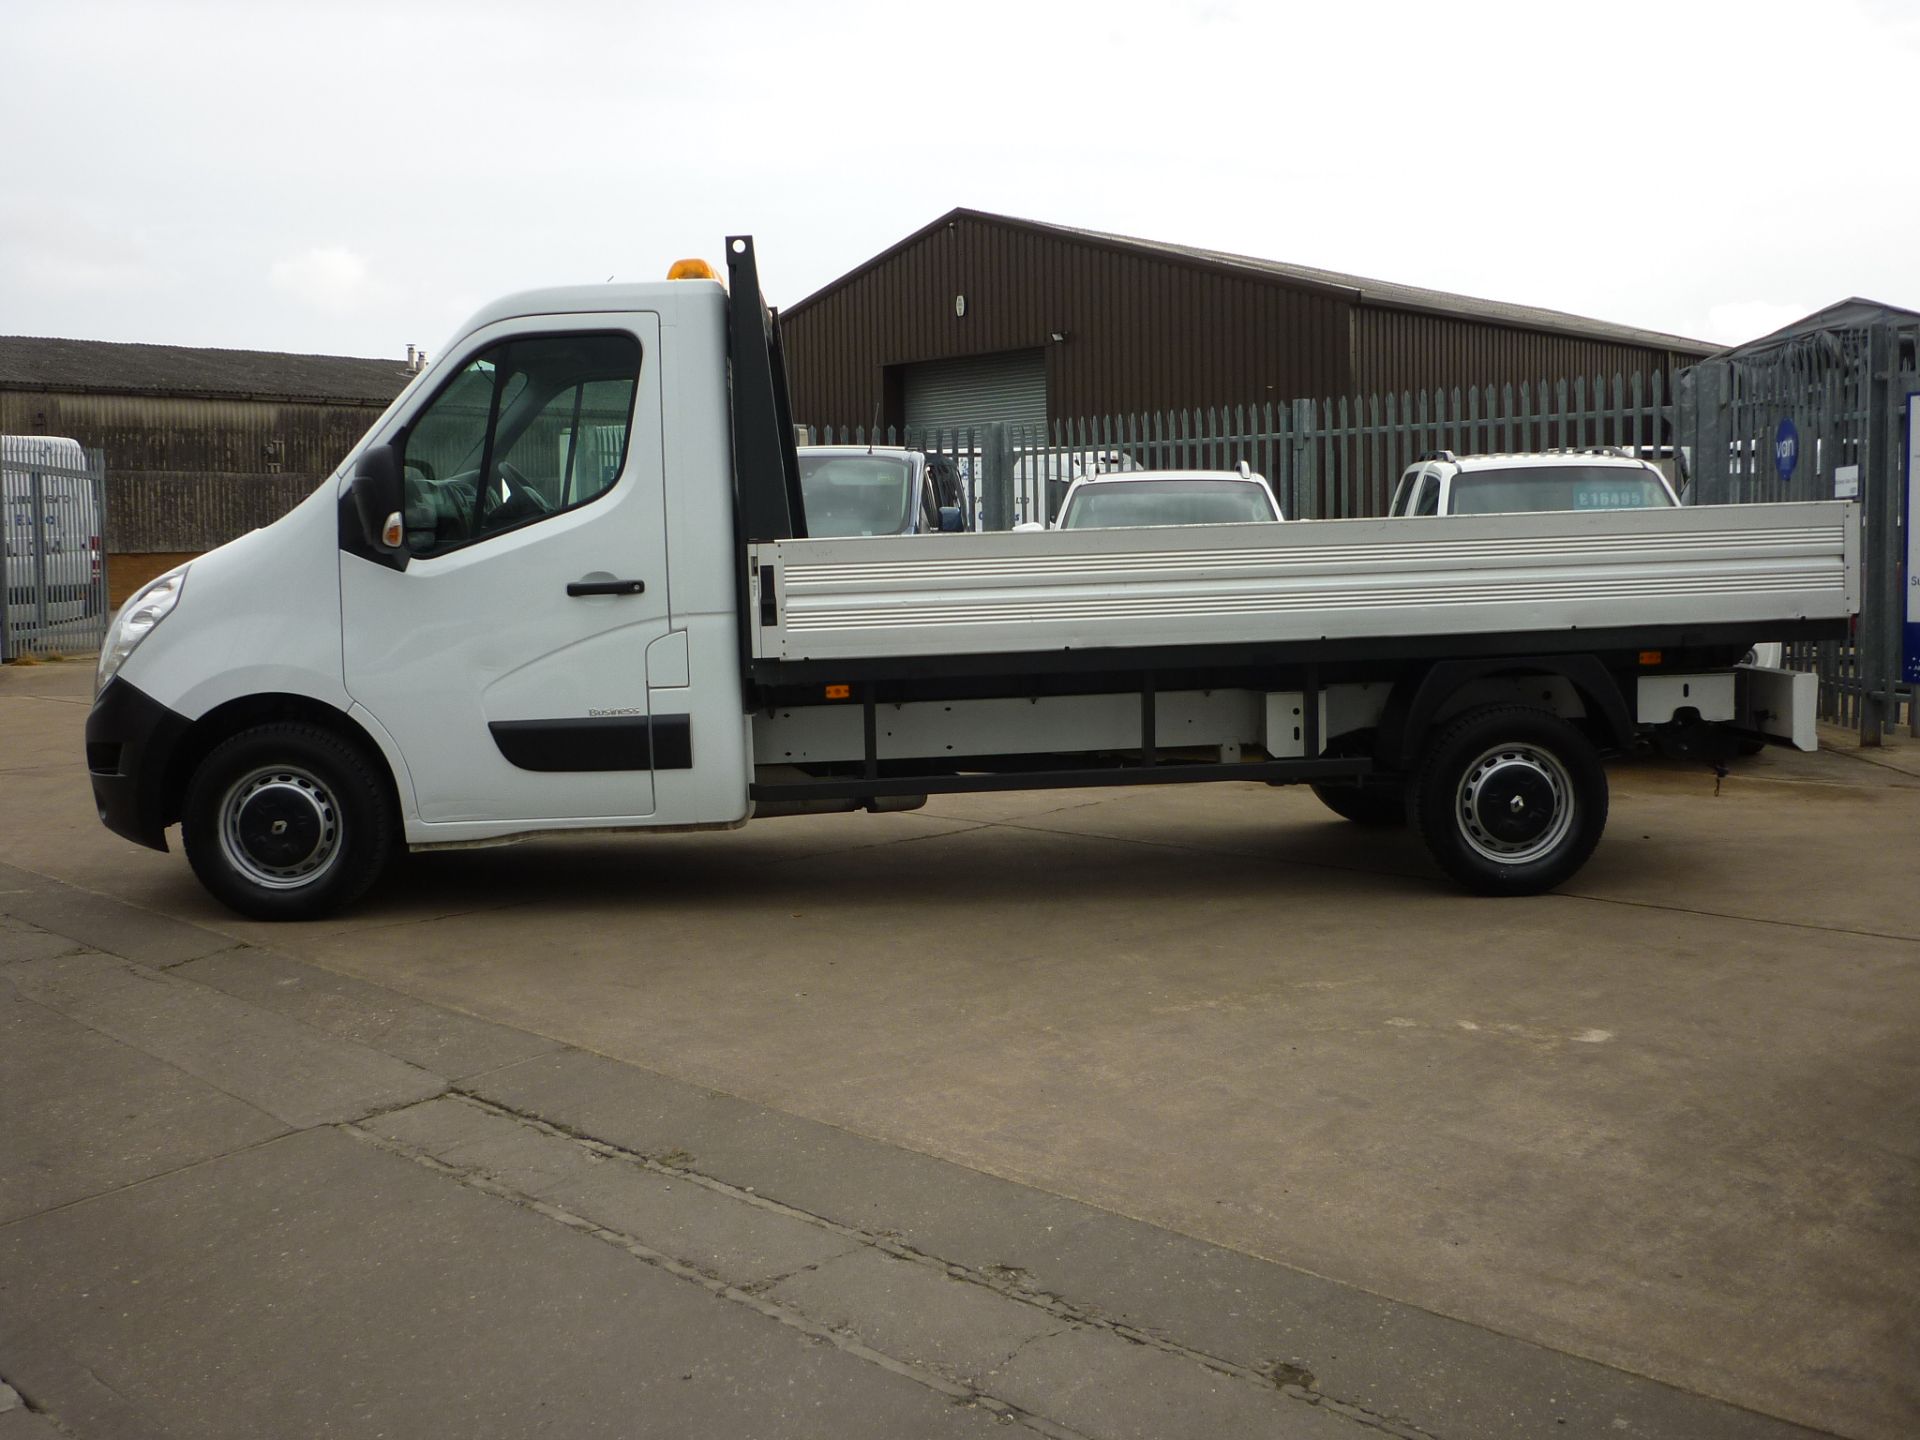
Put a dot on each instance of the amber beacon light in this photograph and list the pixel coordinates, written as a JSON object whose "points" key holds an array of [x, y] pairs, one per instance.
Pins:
{"points": [[691, 270]]}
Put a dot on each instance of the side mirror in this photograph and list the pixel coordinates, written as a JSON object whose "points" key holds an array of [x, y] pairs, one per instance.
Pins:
{"points": [[379, 499], [373, 510], [952, 522]]}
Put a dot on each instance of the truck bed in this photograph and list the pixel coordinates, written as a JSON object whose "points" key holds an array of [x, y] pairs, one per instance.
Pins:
{"points": [[1696, 569]]}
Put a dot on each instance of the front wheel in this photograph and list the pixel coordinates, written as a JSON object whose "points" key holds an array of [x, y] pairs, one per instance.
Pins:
{"points": [[287, 822], [1509, 800]]}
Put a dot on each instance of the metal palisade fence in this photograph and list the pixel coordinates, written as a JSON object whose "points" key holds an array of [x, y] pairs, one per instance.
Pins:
{"points": [[54, 597], [1716, 435], [1331, 458], [1815, 417]]}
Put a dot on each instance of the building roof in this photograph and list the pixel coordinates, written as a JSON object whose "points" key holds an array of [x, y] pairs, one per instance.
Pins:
{"points": [[1853, 313], [1358, 289], [36, 363]]}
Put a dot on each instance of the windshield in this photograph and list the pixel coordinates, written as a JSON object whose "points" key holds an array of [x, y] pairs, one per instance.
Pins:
{"points": [[855, 494], [1558, 487], [1166, 502]]}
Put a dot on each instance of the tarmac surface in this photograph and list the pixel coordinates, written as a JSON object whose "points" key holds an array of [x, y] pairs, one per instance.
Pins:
{"points": [[1183, 1111]]}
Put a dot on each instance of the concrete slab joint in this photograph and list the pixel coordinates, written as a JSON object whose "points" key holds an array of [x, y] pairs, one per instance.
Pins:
{"points": [[979, 1335]]}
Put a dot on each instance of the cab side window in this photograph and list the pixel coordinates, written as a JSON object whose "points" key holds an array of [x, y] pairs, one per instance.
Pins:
{"points": [[1427, 502], [526, 429]]}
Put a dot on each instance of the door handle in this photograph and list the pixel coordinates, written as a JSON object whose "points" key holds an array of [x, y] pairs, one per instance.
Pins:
{"points": [[606, 587]]}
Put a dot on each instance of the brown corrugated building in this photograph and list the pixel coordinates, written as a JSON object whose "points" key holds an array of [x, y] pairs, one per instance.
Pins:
{"points": [[201, 445], [982, 317]]}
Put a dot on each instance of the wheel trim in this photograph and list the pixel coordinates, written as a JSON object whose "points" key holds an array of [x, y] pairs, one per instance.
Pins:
{"points": [[1514, 804], [280, 827]]}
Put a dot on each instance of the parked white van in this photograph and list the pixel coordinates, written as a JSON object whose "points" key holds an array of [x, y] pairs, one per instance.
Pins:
{"points": [[55, 579]]}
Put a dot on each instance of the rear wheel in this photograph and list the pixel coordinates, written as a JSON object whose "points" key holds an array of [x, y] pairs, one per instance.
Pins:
{"points": [[1370, 802], [1509, 800], [287, 822]]}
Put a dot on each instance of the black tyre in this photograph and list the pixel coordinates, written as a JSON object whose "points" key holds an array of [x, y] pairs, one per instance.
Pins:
{"points": [[1509, 800], [1373, 803], [288, 822]]}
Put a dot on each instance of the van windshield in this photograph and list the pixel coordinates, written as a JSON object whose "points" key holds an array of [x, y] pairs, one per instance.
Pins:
{"points": [[1556, 487], [1166, 502], [855, 494]]}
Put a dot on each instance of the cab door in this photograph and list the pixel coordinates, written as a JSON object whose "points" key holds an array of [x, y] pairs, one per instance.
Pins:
{"points": [[508, 658]]}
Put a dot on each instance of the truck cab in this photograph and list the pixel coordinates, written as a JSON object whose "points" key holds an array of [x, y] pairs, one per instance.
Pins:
{"points": [[557, 618]]}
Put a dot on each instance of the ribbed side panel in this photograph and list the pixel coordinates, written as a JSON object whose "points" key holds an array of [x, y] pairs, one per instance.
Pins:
{"points": [[1210, 584]]}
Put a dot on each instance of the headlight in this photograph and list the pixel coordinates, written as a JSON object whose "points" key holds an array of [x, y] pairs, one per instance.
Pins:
{"points": [[149, 606]]}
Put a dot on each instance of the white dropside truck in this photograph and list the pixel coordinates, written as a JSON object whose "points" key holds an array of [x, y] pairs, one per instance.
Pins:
{"points": [[565, 584]]}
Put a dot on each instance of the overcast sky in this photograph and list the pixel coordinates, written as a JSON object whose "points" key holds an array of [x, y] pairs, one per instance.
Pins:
{"points": [[349, 178]]}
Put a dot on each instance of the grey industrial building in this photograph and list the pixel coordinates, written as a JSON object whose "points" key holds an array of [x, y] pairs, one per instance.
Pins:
{"points": [[980, 317], [200, 444]]}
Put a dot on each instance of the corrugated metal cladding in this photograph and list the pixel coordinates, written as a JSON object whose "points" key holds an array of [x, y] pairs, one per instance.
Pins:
{"points": [[1145, 327], [182, 433], [186, 473], [1139, 332], [167, 512], [975, 390], [1398, 350]]}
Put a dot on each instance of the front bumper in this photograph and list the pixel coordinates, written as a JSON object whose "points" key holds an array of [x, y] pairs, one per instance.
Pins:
{"points": [[132, 740]]}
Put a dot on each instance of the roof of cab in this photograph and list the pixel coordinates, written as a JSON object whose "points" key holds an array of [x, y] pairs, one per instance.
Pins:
{"points": [[593, 300]]}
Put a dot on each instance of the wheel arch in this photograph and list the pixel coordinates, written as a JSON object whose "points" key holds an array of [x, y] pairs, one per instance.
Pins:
{"points": [[244, 712], [1417, 702]]}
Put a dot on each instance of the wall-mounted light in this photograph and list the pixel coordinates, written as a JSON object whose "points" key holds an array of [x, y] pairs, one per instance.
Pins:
{"points": [[1057, 336], [960, 305]]}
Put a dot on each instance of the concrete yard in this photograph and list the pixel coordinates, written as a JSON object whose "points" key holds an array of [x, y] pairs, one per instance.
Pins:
{"points": [[1163, 1111]]}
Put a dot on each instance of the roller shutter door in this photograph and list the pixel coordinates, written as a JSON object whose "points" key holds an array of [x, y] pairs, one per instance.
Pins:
{"points": [[1010, 386]]}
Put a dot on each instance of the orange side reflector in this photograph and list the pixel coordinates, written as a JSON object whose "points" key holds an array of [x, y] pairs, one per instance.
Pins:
{"points": [[839, 692], [1649, 657], [393, 532]]}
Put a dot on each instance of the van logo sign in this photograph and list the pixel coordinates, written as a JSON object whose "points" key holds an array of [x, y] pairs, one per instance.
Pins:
{"points": [[1786, 448]]}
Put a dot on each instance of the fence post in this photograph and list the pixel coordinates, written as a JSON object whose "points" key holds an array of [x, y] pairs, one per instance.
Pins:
{"points": [[37, 506], [996, 476], [1903, 581], [1703, 424], [1879, 600], [102, 592], [1306, 472], [6, 580]]}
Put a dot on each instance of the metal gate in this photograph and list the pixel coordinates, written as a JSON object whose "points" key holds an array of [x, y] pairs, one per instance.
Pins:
{"points": [[1814, 415], [53, 502]]}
